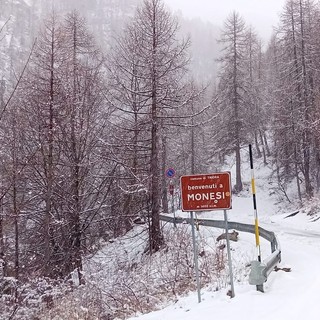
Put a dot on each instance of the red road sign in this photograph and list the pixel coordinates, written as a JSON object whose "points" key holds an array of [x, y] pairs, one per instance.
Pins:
{"points": [[171, 189], [206, 192]]}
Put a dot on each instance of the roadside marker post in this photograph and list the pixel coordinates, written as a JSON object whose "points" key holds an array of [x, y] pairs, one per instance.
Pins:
{"points": [[207, 192], [256, 223]]}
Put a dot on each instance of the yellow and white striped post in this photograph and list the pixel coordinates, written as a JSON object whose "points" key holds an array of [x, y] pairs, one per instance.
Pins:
{"points": [[256, 222]]}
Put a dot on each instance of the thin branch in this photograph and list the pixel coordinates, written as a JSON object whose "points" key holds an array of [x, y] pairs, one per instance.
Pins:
{"points": [[18, 81], [5, 25]]}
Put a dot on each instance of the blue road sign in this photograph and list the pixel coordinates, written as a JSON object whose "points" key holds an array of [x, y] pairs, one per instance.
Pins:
{"points": [[170, 172]]}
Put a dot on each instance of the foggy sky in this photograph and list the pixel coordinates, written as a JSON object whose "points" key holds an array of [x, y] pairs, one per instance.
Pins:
{"points": [[260, 14]]}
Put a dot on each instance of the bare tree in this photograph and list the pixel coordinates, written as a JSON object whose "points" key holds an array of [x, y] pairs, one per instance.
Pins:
{"points": [[154, 69], [233, 88], [130, 124], [39, 109], [257, 120], [80, 123], [64, 122], [296, 55]]}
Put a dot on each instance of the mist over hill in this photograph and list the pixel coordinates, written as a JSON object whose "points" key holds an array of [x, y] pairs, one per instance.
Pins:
{"points": [[21, 21]]}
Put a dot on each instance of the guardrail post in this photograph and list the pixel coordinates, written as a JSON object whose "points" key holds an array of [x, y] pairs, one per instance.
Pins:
{"points": [[257, 275], [273, 243]]}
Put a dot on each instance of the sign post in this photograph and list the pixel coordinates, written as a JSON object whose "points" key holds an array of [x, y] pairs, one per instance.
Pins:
{"points": [[207, 192], [195, 256], [229, 254], [171, 191], [170, 173]]}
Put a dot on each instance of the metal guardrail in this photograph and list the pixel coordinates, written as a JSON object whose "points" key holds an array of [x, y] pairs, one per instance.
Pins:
{"points": [[259, 270]]}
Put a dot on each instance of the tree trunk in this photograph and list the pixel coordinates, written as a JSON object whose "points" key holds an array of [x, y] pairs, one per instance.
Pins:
{"points": [[192, 145], [2, 249], [263, 147], [155, 232], [296, 171], [14, 199], [238, 186], [165, 207], [75, 236], [156, 236], [257, 144], [3, 271], [267, 149], [306, 134]]}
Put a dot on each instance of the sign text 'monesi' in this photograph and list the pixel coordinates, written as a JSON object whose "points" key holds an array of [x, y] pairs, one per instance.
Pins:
{"points": [[206, 192]]}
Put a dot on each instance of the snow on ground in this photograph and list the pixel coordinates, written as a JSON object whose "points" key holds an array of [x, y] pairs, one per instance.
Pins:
{"points": [[288, 295], [291, 295]]}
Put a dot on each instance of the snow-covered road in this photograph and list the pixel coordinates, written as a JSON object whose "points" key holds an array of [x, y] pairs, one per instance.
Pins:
{"points": [[288, 295]]}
